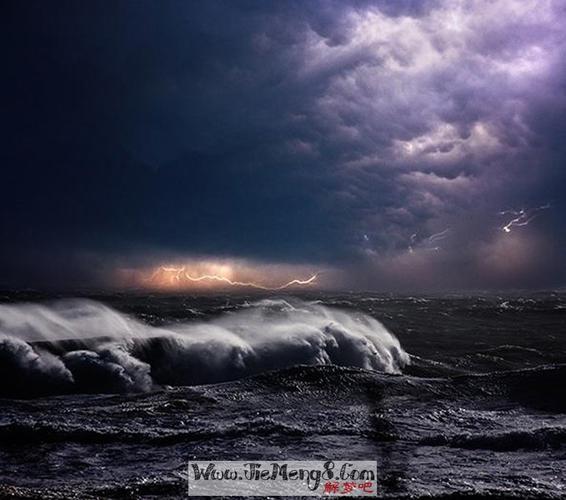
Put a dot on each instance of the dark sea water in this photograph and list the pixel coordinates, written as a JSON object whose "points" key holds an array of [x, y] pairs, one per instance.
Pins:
{"points": [[454, 396]]}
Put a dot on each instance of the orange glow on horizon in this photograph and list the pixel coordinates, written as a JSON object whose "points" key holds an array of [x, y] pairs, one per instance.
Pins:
{"points": [[186, 277]]}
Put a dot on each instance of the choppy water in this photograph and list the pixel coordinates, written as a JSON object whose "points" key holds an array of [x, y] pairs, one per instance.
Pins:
{"points": [[452, 395]]}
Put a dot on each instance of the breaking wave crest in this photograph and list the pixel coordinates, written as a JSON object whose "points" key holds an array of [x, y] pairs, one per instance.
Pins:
{"points": [[85, 346]]}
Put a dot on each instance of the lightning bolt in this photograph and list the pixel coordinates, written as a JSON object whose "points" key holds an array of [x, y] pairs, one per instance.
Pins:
{"points": [[427, 243], [438, 236], [179, 274], [412, 242], [522, 217]]}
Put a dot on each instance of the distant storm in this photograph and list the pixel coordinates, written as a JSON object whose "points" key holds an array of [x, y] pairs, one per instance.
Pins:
{"points": [[387, 145]]}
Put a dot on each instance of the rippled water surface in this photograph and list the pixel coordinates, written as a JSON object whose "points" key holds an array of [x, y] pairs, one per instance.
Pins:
{"points": [[108, 396]]}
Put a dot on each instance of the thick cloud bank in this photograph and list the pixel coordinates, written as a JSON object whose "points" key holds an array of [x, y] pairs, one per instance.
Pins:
{"points": [[392, 139], [84, 346]]}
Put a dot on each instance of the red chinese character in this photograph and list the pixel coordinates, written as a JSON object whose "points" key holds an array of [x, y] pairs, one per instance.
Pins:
{"points": [[348, 487], [366, 487], [331, 487]]}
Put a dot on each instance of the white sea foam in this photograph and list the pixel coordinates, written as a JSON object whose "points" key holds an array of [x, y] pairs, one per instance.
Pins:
{"points": [[117, 353]]}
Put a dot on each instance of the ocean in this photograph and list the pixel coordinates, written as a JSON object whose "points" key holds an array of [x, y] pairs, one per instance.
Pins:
{"points": [[109, 395]]}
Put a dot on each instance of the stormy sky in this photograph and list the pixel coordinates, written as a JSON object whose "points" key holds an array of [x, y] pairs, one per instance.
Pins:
{"points": [[395, 145]]}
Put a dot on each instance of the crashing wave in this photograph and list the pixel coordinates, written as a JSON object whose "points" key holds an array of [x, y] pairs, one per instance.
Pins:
{"points": [[84, 346]]}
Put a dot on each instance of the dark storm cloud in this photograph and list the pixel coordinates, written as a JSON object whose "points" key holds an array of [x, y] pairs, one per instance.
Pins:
{"points": [[321, 132]]}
